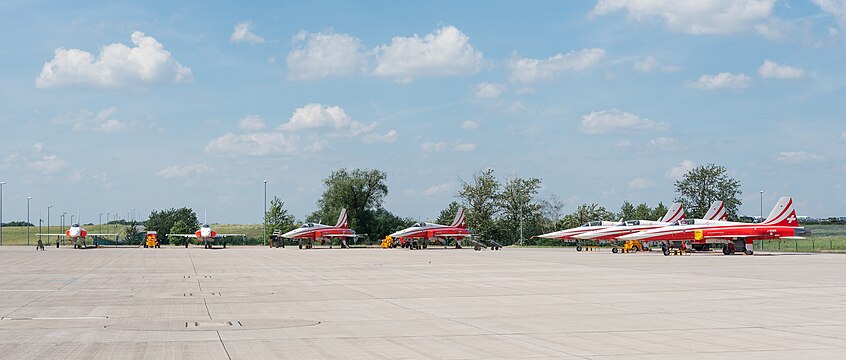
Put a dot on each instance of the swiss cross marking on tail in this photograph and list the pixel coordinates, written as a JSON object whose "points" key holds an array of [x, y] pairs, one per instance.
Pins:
{"points": [[791, 219]]}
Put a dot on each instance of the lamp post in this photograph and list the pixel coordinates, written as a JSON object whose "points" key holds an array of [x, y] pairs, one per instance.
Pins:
{"points": [[48, 220], [62, 223], [1, 211], [28, 198], [265, 213], [100, 227], [762, 205], [71, 219]]}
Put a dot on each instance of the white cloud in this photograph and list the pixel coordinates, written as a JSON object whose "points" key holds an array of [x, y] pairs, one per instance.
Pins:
{"points": [[528, 70], [320, 55], [437, 189], [693, 16], [624, 144], [678, 171], [389, 137], [86, 120], [252, 123], [116, 66], [446, 52], [48, 165], [843, 136], [470, 125], [664, 143], [173, 171], [797, 157], [257, 144], [773, 70], [433, 146], [836, 8], [488, 90], [640, 184], [722, 80], [316, 115], [650, 64], [243, 33], [464, 147], [606, 121], [39, 147]]}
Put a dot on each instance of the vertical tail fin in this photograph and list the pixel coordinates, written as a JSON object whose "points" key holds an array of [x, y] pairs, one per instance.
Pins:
{"points": [[342, 219], [716, 212], [674, 213], [783, 213], [459, 219]]}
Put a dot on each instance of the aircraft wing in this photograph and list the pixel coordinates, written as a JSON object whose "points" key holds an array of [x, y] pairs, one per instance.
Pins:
{"points": [[229, 235], [729, 237], [346, 235], [456, 235], [182, 235], [50, 235], [101, 235]]}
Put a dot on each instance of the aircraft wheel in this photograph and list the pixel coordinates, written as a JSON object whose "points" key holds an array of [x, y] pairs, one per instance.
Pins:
{"points": [[614, 250], [224, 244], [301, 246], [477, 248], [726, 250], [748, 252], [186, 243], [634, 249], [665, 250], [578, 248]]}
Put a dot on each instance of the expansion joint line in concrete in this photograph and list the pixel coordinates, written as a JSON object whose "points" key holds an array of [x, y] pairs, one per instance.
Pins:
{"points": [[224, 345]]}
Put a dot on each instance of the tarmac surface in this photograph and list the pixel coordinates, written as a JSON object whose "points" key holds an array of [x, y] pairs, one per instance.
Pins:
{"points": [[260, 303]]}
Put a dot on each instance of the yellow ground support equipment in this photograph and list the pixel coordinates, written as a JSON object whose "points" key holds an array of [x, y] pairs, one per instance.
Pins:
{"points": [[631, 246], [151, 240], [387, 242]]}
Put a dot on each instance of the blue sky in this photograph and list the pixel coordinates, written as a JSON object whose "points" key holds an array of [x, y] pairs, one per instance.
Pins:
{"points": [[112, 106]]}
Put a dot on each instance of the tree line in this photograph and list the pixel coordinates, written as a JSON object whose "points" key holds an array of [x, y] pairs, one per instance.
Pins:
{"points": [[495, 207]]}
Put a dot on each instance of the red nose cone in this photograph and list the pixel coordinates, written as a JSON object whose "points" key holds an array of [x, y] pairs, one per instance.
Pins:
{"points": [[197, 234]]}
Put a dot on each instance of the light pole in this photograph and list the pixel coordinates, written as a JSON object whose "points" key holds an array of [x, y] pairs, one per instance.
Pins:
{"points": [[265, 213], [48, 220], [62, 223], [1, 211], [762, 205], [100, 227], [28, 198], [71, 219]]}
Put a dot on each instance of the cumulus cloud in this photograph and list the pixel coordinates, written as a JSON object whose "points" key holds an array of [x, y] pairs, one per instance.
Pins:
{"points": [[693, 16], [773, 70], [85, 120], [843, 136], [48, 165], [528, 70], [445, 52], [488, 90], [173, 171], [316, 116], [469, 125], [116, 66], [614, 120], [836, 8], [389, 137], [252, 123], [722, 80], [678, 171], [442, 146], [798, 157], [243, 32], [664, 143], [650, 64], [320, 55], [640, 184], [437, 189], [258, 144]]}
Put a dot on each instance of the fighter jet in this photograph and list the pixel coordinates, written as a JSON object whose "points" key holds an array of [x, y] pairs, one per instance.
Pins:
{"points": [[673, 215], [425, 233], [207, 235], [780, 224], [76, 234], [311, 232]]}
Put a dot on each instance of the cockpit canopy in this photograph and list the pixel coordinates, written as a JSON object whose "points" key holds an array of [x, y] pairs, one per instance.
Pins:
{"points": [[687, 222], [632, 222], [418, 225], [206, 226], [592, 223], [75, 225], [307, 225]]}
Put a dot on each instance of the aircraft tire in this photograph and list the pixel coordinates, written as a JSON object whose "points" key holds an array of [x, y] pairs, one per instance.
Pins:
{"points": [[634, 249], [665, 250], [726, 250], [477, 248], [224, 244], [748, 252], [614, 250], [186, 243], [578, 248]]}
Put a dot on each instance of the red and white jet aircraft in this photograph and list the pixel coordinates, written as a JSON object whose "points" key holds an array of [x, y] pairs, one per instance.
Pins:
{"points": [[207, 235], [717, 211], [311, 232], [76, 233], [780, 224], [425, 232], [570, 233]]}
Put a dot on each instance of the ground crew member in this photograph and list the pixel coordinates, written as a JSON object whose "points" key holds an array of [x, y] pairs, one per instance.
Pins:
{"points": [[40, 246]]}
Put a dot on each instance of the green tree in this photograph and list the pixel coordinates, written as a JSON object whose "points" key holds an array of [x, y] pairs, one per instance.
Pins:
{"points": [[585, 213], [517, 203], [448, 215], [385, 223], [658, 212], [551, 209], [131, 235], [278, 217], [479, 198], [643, 212], [164, 222], [359, 191], [627, 211], [705, 184]]}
